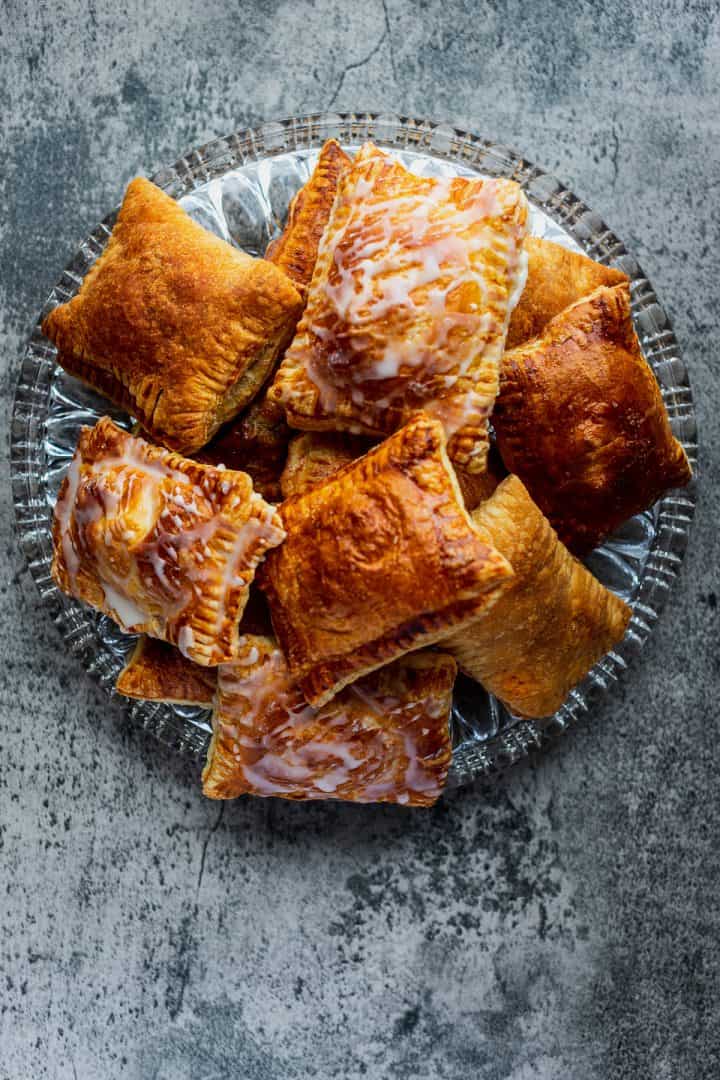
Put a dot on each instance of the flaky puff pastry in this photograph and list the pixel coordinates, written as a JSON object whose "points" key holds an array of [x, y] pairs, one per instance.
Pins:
{"points": [[295, 250], [315, 456], [552, 623], [379, 560], [386, 738], [157, 671], [174, 324], [255, 443], [556, 278], [580, 419], [163, 545], [408, 305]]}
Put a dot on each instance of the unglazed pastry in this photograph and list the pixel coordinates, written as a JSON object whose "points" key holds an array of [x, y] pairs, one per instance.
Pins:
{"points": [[408, 306], [255, 443], [174, 324], [476, 486], [295, 250], [157, 671], [549, 626], [580, 419], [386, 738], [315, 456], [379, 560], [163, 545], [556, 278]]}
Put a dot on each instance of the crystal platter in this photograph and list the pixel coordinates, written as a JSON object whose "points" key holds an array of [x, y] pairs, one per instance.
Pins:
{"points": [[239, 187]]}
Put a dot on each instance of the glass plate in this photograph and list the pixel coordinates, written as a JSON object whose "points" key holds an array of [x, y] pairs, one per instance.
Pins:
{"points": [[239, 187]]}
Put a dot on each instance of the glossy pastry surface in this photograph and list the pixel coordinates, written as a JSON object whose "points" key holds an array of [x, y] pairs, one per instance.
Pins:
{"points": [[314, 456], [384, 739], [581, 420], [379, 560], [163, 545], [408, 305], [549, 626], [174, 324], [157, 671]]}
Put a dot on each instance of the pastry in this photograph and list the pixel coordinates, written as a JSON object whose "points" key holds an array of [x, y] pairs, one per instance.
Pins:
{"points": [[174, 324], [295, 250], [157, 671], [408, 306], [384, 739], [556, 278], [379, 560], [476, 486], [580, 419], [255, 443], [163, 545], [552, 622], [315, 455]]}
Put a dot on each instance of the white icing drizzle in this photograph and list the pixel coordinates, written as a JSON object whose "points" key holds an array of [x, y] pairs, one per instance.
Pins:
{"points": [[395, 270], [157, 542], [362, 745]]}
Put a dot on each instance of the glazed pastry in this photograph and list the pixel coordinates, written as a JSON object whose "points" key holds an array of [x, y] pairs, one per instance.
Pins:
{"points": [[314, 456], [174, 324], [157, 671], [408, 306], [163, 545], [556, 278], [295, 250], [580, 419], [549, 626], [255, 443], [379, 560], [386, 738]]}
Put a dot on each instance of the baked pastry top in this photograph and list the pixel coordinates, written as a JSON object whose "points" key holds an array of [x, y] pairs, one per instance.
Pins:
{"points": [[157, 671], [556, 278], [408, 306], [174, 324], [386, 738], [295, 250], [552, 622], [163, 545], [379, 560], [314, 456], [581, 420], [255, 443]]}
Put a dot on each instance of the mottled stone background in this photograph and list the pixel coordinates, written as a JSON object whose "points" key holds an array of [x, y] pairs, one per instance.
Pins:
{"points": [[561, 927]]}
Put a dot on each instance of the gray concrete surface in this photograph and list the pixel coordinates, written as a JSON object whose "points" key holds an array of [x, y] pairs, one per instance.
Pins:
{"points": [[563, 926]]}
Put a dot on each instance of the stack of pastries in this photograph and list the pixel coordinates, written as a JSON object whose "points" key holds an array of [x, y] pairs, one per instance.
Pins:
{"points": [[366, 460]]}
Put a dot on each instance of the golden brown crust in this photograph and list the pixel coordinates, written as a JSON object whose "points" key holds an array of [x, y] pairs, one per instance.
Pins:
{"points": [[476, 487], [255, 443], [315, 456], [378, 561], [163, 545], [552, 623], [408, 304], [157, 671], [295, 250], [580, 419], [556, 278], [172, 323], [386, 738]]}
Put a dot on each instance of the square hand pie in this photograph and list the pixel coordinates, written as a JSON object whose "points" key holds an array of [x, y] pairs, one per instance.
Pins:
{"points": [[551, 624], [157, 671], [378, 561], [556, 278], [255, 443], [163, 545], [386, 738], [315, 456], [295, 250], [172, 323], [408, 306], [581, 420]]}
